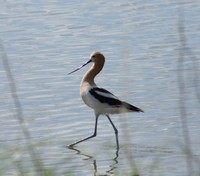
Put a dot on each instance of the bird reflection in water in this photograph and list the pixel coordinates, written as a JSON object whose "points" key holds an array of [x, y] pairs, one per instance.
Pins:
{"points": [[112, 167]]}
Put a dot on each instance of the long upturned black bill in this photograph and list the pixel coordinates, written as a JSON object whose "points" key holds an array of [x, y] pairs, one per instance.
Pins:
{"points": [[80, 67]]}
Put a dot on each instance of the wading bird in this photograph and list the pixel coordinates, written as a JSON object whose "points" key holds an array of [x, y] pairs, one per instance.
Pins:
{"points": [[100, 100]]}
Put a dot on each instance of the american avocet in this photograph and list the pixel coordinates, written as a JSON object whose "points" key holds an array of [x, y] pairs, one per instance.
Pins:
{"points": [[102, 101]]}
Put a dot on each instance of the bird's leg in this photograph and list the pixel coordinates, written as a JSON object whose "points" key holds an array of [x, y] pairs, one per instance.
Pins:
{"points": [[116, 131], [94, 134]]}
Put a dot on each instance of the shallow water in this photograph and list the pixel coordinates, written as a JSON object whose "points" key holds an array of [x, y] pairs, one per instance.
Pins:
{"points": [[46, 40]]}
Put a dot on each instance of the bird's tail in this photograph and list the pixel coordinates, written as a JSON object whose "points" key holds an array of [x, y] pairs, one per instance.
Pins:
{"points": [[131, 107]]}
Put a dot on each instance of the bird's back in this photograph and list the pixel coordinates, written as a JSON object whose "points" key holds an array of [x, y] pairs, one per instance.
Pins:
{"points": [[104, 102]]}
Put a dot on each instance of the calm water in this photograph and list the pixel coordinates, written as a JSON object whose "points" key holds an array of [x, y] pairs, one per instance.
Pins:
{"points": [[44, 40]]}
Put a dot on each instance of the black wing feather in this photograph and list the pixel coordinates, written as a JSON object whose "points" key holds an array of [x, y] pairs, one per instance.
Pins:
{"points": [[104, 99], [102, 90], [112, 100]]}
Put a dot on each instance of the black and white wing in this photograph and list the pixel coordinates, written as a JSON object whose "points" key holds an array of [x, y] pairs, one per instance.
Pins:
{"points": [[106, 97]]}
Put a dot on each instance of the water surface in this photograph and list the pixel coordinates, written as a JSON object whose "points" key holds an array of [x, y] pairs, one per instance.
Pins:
{"points": [[46, 40]]}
